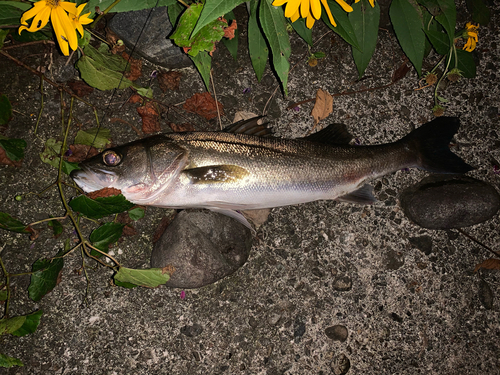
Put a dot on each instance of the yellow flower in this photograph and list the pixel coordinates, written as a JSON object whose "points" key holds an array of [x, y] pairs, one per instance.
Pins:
{"points": [[77, 20], [57, 11], [471, 34], [309, 9]]}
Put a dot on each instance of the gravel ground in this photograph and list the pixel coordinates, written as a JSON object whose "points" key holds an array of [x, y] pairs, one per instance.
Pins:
{"points": [[327, 285]]}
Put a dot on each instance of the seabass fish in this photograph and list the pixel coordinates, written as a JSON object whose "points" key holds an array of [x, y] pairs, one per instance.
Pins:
{"points": [[225, 172]]}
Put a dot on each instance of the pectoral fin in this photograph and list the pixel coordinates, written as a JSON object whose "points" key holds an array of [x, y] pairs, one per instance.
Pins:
{"points": [[364, 195], [216, 173]]}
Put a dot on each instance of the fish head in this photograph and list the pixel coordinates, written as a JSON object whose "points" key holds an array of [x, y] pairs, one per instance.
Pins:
{"points": [[140, 169]]}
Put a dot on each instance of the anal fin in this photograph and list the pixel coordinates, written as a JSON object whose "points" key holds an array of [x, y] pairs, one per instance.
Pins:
{"points": [[364, 195]]}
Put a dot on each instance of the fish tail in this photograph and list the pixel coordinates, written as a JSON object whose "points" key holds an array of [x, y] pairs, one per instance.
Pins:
{"points": [[430, 144]]}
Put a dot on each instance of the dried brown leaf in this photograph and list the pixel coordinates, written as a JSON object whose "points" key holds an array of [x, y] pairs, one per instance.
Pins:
{"points": [[178, 128], [136, 98], [4, 160], [229, 31], [489, 264], [150, 118], [169, 80], [204, 105], [400, 72], [78, 153], [106, 192], [80, 88], [323, 106], [135, 67]]}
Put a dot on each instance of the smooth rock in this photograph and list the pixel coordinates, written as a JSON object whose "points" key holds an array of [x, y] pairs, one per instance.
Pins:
{"points": [[203, 247], [450, 201], [153, 43], [337, 333]]}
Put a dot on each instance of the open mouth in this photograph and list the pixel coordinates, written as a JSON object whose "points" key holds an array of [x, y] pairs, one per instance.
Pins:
{"points": [[89, 180]]}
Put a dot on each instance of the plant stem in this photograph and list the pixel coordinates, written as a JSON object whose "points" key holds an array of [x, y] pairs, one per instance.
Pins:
{"points": [[96, 21], [7, 284]]}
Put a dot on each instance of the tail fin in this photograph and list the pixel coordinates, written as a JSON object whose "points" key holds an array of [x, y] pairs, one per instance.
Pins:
{"points": [[431, 145]]}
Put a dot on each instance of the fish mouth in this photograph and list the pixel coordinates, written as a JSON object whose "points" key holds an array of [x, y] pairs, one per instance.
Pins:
{"points": [[91, 180]]}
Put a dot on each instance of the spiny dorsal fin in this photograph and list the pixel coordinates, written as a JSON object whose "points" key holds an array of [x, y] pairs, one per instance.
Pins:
{"points": [[250, 127], [215, 174], [334, 134]]}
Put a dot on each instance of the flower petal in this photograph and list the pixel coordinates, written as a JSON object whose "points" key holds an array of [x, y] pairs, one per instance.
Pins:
{"points": [[85, 20], [296, 16], [291, 8], [372, 3], [60, 35], [316, 9], [66, 26], [30, 13], [68, 7], [304, 8], [344, 5], [328, 12], [278, 3], [310, 21]]}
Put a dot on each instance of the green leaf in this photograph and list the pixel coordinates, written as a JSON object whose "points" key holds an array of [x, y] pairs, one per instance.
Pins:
{"points": [[11, 325], [100, 207], [232, 44], [105, 235], [3, 295], [480, 12], [9, 15], [364, 20], [9, 223], [174, 12], [344, 28], [136, 213], [8, 362], [125, 5], [257, 46], [97, 137], [50, 155], [203, 62], [447, 17], [146, 92], [103, 70], [30, 324], [407, 23], [439, 41], [273, 23], [304, 32], [5, 109], [125, 285], [466, 63], [44, 277], [16, 4], [204, 40], [150, 277], [14, 148], [3, 35], [214, 9], [56, 226], [431, 5], [25, 37]]}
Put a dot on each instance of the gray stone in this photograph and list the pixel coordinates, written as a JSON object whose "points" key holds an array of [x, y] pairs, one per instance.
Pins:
{"points": [[340, 364], [394, 260], [423, 243], [450, 201], [153, 43], [342, 283], [337, 333], [485, 295], [203, 247]]}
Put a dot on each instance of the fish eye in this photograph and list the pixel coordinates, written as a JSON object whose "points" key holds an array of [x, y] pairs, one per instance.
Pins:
{"points": [[111, 158]]}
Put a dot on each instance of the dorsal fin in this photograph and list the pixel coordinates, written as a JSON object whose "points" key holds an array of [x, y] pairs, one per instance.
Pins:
{"points": [[250, 127], [334, 134]]}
